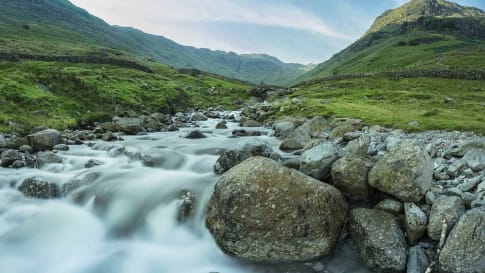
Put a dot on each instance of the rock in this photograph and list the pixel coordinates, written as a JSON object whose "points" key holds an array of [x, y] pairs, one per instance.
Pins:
{"points": [[130, 126], [45, 140], [479, 201], [359, 146], [165, 159], [296, 140], [316, 126], [416, 222], [339, 132], [470, 184], [48, 158], [221, 125], [8, 157], [464, 250], [356, 124], [475, 159], [13, 142], [37, 188], [418, 261], [17, 164], [449, 207], [405, 172], [456, 168], [391, 206], [186, 206], [198, 116], [245, 150], [172, 128], [317, 161], [431, 150], [283, 128], [263, 212], [26, 149], [109, 136], [244, 133], [349, 175], [481, 186], [151, 124], [379, 239], [194, 134], [109, 126], [251, 123], [414, 123], [93, 163], [61, 147], [78, 182]]}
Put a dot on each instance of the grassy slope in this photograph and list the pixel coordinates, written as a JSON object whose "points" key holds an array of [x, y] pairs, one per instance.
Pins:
{"points": [[394, 103], [61, 94]]}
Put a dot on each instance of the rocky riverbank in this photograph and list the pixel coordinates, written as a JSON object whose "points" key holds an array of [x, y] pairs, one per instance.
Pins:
{"points": [[408, 201]]}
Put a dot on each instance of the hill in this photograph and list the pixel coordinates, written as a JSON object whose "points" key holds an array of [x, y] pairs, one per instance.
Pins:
{"points": [[58, 28], [422, 34]]}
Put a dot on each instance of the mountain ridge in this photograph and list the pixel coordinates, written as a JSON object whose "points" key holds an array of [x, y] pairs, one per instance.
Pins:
{"points": [[65, 27], [454, 38]]}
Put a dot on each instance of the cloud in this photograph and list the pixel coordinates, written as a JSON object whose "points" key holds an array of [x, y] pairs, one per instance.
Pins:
{"points": [[217, 11]]}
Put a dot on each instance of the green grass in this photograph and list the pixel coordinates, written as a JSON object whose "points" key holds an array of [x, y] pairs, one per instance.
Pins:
{"points": [[61, 94], [393, 103]]}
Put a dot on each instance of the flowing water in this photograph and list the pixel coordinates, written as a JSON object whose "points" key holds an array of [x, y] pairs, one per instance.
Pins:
{"points": [[126, 219]]}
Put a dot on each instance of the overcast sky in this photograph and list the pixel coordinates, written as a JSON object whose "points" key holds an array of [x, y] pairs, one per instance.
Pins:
{"points": [[302, 31]]}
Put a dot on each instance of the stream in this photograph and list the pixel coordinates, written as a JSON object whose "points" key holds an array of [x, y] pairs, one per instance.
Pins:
{"points": [[125, 219]]}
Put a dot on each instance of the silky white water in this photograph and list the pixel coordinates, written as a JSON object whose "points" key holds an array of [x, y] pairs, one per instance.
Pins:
{"points": [[125, 220]]}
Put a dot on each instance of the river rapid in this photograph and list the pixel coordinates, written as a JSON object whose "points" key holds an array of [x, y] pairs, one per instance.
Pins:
{"points": [[125, 219]]}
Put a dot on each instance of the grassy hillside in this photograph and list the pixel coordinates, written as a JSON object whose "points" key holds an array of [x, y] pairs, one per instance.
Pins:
{"points": [[61, 94], [56, 27], [423, 34], [393, 102]]}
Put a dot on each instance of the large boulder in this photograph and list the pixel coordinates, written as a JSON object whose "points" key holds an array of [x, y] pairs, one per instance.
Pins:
{"points": [[45, 140], [317, 161], [316, 126], [130, 126], [475, 159], [283, 128], [405, 172], [264, 212], [464, 250], [450, 208], [8, 157], [349, 175], [243, 151], [379, 238]]}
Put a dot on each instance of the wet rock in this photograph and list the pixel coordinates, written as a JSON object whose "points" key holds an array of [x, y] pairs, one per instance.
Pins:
{"points": [[245, 150], [251, 123], [61, 147], [45, 140], [48, 158], [465, 247], [37, 188], [18, 164], [221, 125], [186, 206], [198, 116], [475, 159], [78, 182], [8, 157], [416, 222], [165, 159], [151, 124], [245, 133], [349, 175], [109, 136], [172, 128], [450, 208], [317, 161], [130, 126], [26, 149], [405, 172], [93, 163], [418, 261], [379, 239], [251, 197], [392, 206], [194, 134]]}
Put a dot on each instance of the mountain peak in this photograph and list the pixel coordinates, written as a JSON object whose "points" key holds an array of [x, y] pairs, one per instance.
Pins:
{"points": [[423, 8]]}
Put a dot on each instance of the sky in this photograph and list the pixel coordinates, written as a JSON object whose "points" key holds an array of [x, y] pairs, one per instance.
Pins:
{"points": [[299, 31]]}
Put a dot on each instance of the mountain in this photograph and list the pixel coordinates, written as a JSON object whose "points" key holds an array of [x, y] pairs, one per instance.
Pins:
{"points": [[422, 34], [58, 28]]}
